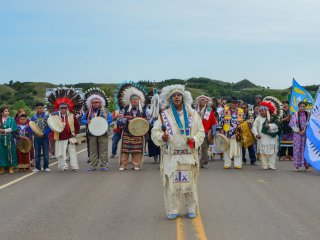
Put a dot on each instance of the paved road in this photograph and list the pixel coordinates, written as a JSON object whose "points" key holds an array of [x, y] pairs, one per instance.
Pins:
{"points": [[246, 204]]}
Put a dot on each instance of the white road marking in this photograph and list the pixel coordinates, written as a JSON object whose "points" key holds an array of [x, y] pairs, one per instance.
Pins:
{"points": [[30, 174]]}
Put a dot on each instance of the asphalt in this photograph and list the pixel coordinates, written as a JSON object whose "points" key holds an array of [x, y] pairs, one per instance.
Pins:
{"points": [[235, 204]]}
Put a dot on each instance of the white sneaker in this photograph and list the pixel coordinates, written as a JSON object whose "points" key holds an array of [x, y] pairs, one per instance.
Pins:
{"points": [[36, 170], [121, 169], [136, 168], [47, 170]]}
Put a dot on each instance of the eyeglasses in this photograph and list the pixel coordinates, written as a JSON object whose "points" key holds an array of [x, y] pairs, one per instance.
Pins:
{"points": [[176, 95], [95, 102], [63, 107]]}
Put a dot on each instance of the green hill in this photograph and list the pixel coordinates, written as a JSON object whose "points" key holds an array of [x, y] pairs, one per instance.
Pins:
{"points": [[26, 94]]}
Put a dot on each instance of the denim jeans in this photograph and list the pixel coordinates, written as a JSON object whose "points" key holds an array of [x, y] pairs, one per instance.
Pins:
{"points": [[115, 140], [41, 143], [252, 154]]}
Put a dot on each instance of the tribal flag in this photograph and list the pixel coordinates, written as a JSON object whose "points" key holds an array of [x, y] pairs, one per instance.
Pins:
{"points": [[312, 149], [299, 94]]}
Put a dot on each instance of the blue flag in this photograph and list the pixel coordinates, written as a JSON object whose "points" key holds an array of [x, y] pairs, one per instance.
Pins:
{"points": [[299, 94], [312, 149]]}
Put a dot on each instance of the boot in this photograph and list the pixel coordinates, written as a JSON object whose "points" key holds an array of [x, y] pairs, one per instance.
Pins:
{"points": [[1, 170], [11, 169]]}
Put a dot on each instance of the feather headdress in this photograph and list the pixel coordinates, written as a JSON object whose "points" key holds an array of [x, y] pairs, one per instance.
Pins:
{"points": [[67, 96], [95, 93], [155, 106], [128, 89], [206, 98], [167, 92], [274, 107]]}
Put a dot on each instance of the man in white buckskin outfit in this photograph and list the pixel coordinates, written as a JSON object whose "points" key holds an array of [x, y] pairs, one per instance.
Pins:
{"points": [[179, 132]]}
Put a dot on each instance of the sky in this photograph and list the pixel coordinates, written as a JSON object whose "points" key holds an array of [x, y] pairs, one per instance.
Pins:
{"points": [[109, 41]]}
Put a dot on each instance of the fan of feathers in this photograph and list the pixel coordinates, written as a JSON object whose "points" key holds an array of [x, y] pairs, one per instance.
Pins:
{"points": [[65, 95], [123, 87]]}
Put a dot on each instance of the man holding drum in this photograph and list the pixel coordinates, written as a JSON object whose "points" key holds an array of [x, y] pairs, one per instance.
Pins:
{"points": [[66, 103], [97, 119], [131, 97], [39, 126], [179, 133]]}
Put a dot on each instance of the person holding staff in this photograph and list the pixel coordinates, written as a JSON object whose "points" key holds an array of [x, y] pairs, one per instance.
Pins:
{"points": [[179, 133]]}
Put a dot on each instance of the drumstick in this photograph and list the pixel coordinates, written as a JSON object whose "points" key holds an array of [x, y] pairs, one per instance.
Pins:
{"points": [[163, 126]]}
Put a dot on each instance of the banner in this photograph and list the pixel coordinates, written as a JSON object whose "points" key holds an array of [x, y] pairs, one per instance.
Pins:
{"points": [[312, 149], [299, 94]]}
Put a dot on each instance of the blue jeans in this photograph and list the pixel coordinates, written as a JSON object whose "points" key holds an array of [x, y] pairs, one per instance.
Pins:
{"points": [[115, 140], [252, 154], [41, 143]]}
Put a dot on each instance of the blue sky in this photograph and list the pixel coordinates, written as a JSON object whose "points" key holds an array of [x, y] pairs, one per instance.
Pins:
{"points": [[267, 42]]}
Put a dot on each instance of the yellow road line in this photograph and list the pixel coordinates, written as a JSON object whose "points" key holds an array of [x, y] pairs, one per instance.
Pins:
{"points": [[198, 226], [180, 234], [30, 174]]}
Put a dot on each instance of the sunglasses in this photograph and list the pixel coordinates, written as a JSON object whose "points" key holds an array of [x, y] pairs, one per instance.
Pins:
{"points": [[95, 102], [63, 107], [176, 95]]}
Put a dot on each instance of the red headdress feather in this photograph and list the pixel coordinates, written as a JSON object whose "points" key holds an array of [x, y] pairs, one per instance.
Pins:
{"points": [[269, 105], [67, 96], [69, 102]]}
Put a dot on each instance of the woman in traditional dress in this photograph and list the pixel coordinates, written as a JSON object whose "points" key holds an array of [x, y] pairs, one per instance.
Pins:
{"points": [[8, 154], [298, 123]]}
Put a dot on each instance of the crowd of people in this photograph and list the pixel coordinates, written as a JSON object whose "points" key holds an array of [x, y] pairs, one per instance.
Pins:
{"points": [[178, 130]]}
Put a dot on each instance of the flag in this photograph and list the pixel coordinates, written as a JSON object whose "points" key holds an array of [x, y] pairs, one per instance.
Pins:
{"points": [[298, 94], [312, 148]]}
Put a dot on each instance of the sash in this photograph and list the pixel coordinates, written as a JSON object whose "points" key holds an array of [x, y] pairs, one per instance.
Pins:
{"points": [[168, 125]]}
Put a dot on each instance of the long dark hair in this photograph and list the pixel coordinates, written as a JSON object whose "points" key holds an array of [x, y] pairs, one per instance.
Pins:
{"points": [[1, 112], [300, 113]]}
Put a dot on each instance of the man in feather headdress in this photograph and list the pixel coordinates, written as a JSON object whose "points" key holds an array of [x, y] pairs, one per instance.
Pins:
{"points": [[66, 103], [96, 104], [154, 150], [179, 133], [265, 129], [131, 99], [208, 120]]}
